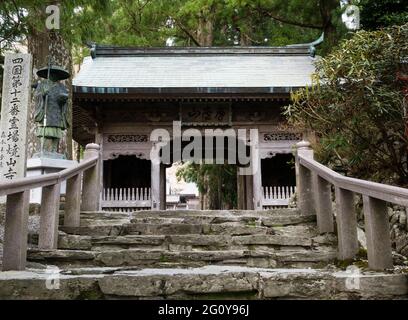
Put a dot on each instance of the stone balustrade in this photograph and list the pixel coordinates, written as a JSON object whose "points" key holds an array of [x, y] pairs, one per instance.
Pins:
{"points": [[17, 206], [314, 191]]}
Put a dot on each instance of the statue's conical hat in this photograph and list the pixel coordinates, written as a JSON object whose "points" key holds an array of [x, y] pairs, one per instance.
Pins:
{"points": [[58, 72]]}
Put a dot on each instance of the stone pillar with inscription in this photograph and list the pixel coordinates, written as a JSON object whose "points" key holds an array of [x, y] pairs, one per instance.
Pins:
{"points": [[14, 115], [13, 153]]}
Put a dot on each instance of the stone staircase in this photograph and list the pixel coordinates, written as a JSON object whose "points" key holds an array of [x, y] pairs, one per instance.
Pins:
{"points": [[265, 239], [275, 254]]}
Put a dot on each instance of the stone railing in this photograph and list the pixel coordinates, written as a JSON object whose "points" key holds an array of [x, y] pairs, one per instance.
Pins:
{"points": [[17, 191], [314, 191]]}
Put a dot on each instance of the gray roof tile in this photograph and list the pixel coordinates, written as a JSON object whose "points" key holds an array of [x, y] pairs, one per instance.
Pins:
{"points": [[196, 71]]}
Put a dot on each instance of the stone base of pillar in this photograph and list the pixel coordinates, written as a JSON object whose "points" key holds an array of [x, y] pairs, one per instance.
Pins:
{"points": [[40, 166]]}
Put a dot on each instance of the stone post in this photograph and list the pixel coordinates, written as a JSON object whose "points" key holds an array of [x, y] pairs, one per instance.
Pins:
{"points": [[377, 232], [91, 192], [346, 224], [49, 217], [324, 211], [304, 181], [73, 202], [15, 231]]}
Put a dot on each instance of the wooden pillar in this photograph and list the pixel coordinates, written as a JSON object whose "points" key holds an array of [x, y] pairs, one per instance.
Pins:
{"points": [[241, 201], [73, 202], [324, 211], [49, 217], [378, 234], [155, 185], [304, 181], [162, 187], [257, 182], [91, 189], [346, 224], [249, 187], [15, 231]]}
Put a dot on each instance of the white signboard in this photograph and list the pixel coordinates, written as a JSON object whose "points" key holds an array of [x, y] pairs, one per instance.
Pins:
{"points": [[14, 115]]}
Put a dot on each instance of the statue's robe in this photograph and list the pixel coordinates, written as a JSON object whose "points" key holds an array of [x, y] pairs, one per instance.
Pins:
{"points": [[51, 113]]}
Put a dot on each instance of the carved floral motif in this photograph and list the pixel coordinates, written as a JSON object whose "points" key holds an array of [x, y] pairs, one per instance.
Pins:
{"points": [[282, 136], [123, 138]]}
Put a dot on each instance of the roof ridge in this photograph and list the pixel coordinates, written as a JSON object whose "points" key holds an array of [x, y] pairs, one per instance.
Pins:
{"points": [[107, 50]]}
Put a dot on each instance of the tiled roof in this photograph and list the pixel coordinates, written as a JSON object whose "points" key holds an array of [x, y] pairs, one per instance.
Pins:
{"points": [[199, 69]]}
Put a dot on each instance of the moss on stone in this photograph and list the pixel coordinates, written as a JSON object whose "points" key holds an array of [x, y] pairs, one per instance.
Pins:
{"points": [[343, 264], [251, 224], [359, 261], [362, 253], [163, 258]]}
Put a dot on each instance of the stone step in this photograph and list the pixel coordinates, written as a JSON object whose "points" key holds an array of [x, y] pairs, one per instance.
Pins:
{"points": [[183, 213], [76, 242], [164, 229], [118, 226], [189, 241], [269, 257], [245, 220], [94, 230], [272, 221], [209, 282], [197, 228]]}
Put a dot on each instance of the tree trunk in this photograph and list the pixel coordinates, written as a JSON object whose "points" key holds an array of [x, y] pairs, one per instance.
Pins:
{"points": [[42, 43], [205, 30], [244, 41], [326, 10]]}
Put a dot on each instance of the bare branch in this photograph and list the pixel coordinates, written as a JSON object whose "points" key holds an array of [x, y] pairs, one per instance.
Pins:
{"points": [[188, 33]]}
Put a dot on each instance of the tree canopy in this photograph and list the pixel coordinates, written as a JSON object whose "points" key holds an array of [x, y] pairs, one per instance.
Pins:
{"points": [[217, 182], [379, 14], [356, 106]]}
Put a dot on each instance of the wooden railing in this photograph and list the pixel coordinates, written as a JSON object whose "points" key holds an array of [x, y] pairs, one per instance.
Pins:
{"points": [[125, 199], [17, 206], [277, 196], [314, 190]]}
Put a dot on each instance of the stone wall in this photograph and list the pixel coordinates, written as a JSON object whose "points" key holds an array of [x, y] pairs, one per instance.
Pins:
{"points": [[399, 229], [33, 220]]}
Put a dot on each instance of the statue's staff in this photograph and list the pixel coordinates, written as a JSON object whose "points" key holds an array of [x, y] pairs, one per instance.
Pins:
{"points": [[46, 105]]}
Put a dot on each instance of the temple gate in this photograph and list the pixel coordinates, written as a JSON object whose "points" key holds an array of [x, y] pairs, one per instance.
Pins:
{"points": [[200, 88]]}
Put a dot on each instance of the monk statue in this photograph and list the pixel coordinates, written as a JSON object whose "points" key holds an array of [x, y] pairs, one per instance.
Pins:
{"points": [[51, 108]]}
